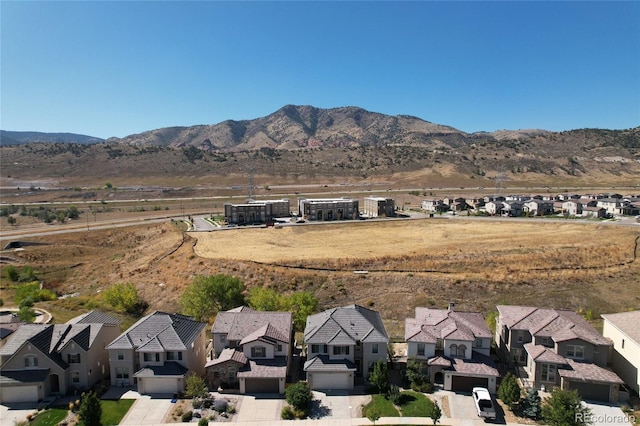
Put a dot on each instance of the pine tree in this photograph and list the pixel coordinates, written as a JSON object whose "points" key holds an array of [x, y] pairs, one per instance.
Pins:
{"points": [[532, 404], [379, 377], [509, 390], [90, 410]]}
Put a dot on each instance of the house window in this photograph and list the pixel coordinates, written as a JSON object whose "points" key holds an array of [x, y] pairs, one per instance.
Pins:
{"points": [[172, 356], [319, 349], [223, 338], [30, 361], [453, 350], [258, 352], [520, 338], [75, 377], [374, 348], [545, 341], [439, 344], [341, 350], [548, 373], [462, 351], [120, 355], [279, 348], [73, 358], [122, 373], [420, 349], [575, 351], [150, 357], [478, 343]]}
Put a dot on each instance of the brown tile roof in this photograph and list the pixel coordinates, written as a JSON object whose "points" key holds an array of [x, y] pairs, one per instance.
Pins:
{"points": [[479, 365], [241, 322], [541, 353], [432, 324], [228, 354], [587, 372], [627, 322], [265, 368], [560, 325], [439, 361]]}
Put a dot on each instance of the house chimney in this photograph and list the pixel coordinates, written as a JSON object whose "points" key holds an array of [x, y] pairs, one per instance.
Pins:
{"points": [[452, 306]]}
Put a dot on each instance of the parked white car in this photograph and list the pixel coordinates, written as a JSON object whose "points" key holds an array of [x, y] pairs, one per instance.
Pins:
{"points": [[484, 403]]}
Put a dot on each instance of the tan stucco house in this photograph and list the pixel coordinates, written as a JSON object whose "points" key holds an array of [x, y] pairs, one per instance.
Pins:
{"points": [[624, 331]]}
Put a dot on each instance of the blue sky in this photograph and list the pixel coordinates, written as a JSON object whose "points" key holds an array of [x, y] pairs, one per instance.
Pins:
{"points": [[117, 68]]}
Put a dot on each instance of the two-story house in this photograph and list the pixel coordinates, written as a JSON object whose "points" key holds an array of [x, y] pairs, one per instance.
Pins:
{"points": [[454, 345], [39, 360], [253, 350], [157, 353], [622, 328], [343, 344], [557, 348]]}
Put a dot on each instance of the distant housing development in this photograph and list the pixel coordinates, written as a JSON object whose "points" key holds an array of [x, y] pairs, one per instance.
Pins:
{"points": [[256, 212], [325, 209]]}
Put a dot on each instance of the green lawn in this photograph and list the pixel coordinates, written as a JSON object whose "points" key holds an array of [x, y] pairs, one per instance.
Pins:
{"points": [[414, 404], [114, 411], [50, 417], [383, 406]]}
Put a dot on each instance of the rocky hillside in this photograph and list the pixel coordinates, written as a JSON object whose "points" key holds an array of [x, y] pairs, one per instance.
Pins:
{"points": [[15, 138]]}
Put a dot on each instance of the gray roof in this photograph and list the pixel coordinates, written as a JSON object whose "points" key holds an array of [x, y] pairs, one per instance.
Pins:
{"points": [[23, 376], [324, 363], [160, 332], [95, 317], [169, 368], [627, 322], [432, 324], [41, 336], [345, 326], [560, 325], [245, 323]]}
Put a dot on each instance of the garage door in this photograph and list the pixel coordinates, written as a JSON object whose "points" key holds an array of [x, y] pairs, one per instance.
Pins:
{"points": [[466, 384], [261, 386], [160, 385], [331, 381], [15, 394], [590, 391]]}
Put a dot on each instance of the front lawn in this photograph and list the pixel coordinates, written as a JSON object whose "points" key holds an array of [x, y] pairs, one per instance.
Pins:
{"points": [[382, 405], [50, 417], [114, 411], [414, 404]]}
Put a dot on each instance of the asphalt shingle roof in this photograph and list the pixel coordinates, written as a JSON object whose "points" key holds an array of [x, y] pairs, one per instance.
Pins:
{"points": [[161, 331], [23, 376], [169, 368], [345, 325]]}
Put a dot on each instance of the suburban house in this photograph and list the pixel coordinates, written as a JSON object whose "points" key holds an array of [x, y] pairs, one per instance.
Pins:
{"points": [[454, 345], [622, 328], [158, 352], [343, 344], [539, 207], [253, 350], [39, 360], [323, 209], [434, 205], [379, 206], [556, 348]]}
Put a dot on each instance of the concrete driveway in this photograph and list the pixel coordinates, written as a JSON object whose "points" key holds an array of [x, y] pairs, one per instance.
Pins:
{"points": [[147, 410], [607, 415], [255, 408], [15, 413], [463, 408]]}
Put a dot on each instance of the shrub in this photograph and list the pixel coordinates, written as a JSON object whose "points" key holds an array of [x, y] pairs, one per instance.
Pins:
{"points": [[509, 390], [220, 405], [196, 403], [380, 377], [186, 417], [90, 410], [287, 413], [195, 386], [299, 396], [11, 273], [393, 394], [203, 422]]}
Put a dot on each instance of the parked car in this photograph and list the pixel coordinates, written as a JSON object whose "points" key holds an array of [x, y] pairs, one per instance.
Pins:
{"points": [[484, 403]]}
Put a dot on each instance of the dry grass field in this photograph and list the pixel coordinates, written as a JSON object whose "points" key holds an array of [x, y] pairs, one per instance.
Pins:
{"points": [[587, 267]]}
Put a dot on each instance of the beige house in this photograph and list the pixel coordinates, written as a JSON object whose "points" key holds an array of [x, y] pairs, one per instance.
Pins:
{"points": [[622, 328], [556, 348], [253, 350], [454, 345], [343, 344], [326, 209], [157, 353], [379, 206], [39, 360]]}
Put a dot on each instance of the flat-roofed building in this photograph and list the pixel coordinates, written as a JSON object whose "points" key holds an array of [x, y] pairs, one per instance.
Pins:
{"points": [[324, 209], [379, 206], [255, 212]]}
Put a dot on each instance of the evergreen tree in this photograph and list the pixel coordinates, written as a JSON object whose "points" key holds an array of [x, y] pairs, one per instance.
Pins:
{"points": [[436, 413], [531, 404], [90, 410], [564, 408], [509, 390], [379, 377]]}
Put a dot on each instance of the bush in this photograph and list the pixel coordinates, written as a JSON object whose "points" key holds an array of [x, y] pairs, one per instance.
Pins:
{"points": [[220, 405], [124, 297], [299, 396], [509, 390], [186, 417], [203, 422], [196, 403], [380, 377], [195, 386], [287, 413], [11, 273], [393, 394], [424, 387]]}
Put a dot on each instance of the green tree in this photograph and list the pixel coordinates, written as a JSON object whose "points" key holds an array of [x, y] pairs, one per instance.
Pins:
{"points": [[11, 220], [73, 212], [27, 275], [195, 386], [299, 396], [531, 404], [379, 376], [564, 408], [124, 297], [418, 381], [207, 295], [90, 410], [302, 304], [11, 273], [509, 390], [491, 321], [435, 413], [266, 299], [26, 314], [373, 414]]}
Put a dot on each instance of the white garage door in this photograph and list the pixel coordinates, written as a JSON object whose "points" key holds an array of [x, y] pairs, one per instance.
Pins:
{"points": [[331, 381], [160, 385], [15, 394]]}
